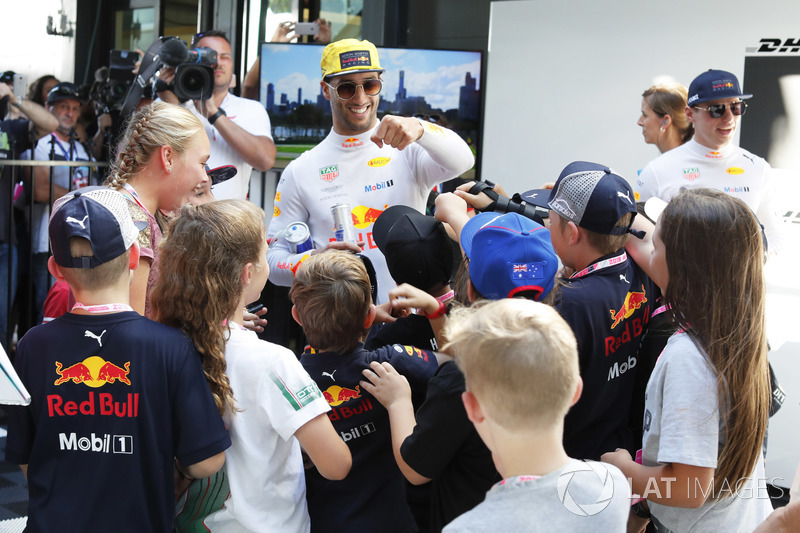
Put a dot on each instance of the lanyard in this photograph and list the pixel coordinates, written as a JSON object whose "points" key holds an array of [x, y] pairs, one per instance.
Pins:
{"points": [[67, 155], [517, 480], [105, 308], [605, 263], [128, 187]]}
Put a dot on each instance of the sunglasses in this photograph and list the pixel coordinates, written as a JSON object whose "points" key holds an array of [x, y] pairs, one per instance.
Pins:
{"points": [[717, 110], [347, 89]]}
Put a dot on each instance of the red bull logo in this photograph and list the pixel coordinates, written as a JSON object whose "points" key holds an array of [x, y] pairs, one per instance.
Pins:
{"points": [[352, 142], [93, 372], [714, 155], [336, 395], [364, 216], [633, 301]]}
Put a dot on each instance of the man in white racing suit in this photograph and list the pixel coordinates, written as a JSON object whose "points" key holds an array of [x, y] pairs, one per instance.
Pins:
{"points": [[364, 162]]}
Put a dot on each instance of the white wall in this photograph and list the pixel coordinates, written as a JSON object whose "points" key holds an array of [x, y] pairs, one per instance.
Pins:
{"points": [[25, 46], [565, 78]]}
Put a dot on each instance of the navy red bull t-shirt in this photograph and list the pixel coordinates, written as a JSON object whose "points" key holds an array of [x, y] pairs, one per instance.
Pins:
{"points": [[608, 306], [372, 496], [114, 399]]}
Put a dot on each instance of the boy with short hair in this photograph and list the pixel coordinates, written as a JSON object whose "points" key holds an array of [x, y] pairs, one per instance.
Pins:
{"points": [[118, 401], [331, 297], [517, 397], [607, 300]]}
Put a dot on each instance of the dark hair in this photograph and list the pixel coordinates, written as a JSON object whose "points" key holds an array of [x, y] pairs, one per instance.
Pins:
{"points": [[210, 33], [35, 90]]}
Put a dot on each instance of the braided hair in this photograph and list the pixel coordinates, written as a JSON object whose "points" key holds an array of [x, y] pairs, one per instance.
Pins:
{"points": [[151, 127]]}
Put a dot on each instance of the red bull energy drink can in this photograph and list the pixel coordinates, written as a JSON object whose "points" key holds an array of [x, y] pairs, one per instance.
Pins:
{"points": [[343, 227], [298, 236]]}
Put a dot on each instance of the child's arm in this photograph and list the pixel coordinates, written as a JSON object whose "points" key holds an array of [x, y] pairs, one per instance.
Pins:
{"points": [[139, 287], [673, 484], [394, 393], [325, 448], [640, 249], [407, 296]]}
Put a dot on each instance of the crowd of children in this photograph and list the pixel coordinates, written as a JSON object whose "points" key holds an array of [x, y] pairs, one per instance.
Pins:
{"points": [[521, 387]]}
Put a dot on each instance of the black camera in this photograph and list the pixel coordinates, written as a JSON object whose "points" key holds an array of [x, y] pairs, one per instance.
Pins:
{"points": [[113, 82], [194, 78]]}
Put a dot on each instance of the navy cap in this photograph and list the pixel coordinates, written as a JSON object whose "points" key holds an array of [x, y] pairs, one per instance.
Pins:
{"points": [[220, 174], [99, 215], [591, 195], [417, 248], [713, 85], [63, 91], [509, 254]]}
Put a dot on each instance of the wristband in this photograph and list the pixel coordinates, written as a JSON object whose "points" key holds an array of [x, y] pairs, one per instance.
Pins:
{"points": [[18, 103], [440, 312], [220, 113]]}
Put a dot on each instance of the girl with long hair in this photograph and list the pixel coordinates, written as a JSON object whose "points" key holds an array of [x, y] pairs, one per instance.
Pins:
{"points": [[708, 397], [161, 160], [213, 262]]}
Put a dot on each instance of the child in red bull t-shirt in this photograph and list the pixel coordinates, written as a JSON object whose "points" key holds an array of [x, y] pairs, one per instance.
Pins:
{"points": [[607, 300], [118, 401], [331, 296]]}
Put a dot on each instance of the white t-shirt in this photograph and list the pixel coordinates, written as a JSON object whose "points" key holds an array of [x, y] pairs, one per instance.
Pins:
{"points": [[80, 178], [276, 397], [252, 117], [353, 170], [732, 170], [578, 497], [682, 424]]}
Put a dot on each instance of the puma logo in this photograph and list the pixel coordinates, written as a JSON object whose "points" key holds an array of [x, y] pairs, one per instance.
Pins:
{"points": [[98, 338], [330, 375], [626, 196], [623, 278], [76, 221]]}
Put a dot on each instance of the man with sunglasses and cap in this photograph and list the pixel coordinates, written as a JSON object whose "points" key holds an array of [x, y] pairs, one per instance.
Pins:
{"points": [[237, 128], [366, 163], [711, 159]]}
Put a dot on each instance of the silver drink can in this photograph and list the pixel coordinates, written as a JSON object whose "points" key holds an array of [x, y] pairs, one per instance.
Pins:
{"points": [[343, 227], [298, 236]]}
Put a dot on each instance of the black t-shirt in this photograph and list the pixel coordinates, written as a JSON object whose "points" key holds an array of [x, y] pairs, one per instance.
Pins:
{"points": [[114, 399], [608, 309], [446, 448], [371, 497]]}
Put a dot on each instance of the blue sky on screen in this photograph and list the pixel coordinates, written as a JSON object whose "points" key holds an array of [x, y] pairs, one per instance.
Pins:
{"points": [[435, 74]]}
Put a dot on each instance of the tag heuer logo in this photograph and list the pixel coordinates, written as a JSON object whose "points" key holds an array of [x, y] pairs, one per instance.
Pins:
{"points": [[329, 173]]}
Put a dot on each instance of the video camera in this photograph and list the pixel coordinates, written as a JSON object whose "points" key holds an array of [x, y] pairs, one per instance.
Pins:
{"points": [[194, 73], [113, 82]]}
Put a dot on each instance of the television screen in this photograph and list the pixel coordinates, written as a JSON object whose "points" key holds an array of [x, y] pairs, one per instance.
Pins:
{"points": [[443, 86]]}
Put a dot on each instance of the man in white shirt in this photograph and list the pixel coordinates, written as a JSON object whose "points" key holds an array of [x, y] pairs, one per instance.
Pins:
{"points": [[711, 159], [237, 128]]}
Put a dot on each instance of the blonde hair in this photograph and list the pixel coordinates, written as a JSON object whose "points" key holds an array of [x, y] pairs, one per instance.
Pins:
{"points": [[331, 292], [99, 277], [519, 357], [716, 291], [670, 99], [200, 285], [151, 127]]}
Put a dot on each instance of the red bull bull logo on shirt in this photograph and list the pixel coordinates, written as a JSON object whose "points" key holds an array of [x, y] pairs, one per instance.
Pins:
{"points": [[336, 395], [364, 216], [93, 372], [633, 301]]}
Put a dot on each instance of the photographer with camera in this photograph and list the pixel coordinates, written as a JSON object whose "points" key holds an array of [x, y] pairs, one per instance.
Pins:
{"points": [[238, 129]]}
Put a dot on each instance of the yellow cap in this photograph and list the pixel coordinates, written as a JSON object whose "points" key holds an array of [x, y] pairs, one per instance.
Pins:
{"points": [[349, 55]]}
